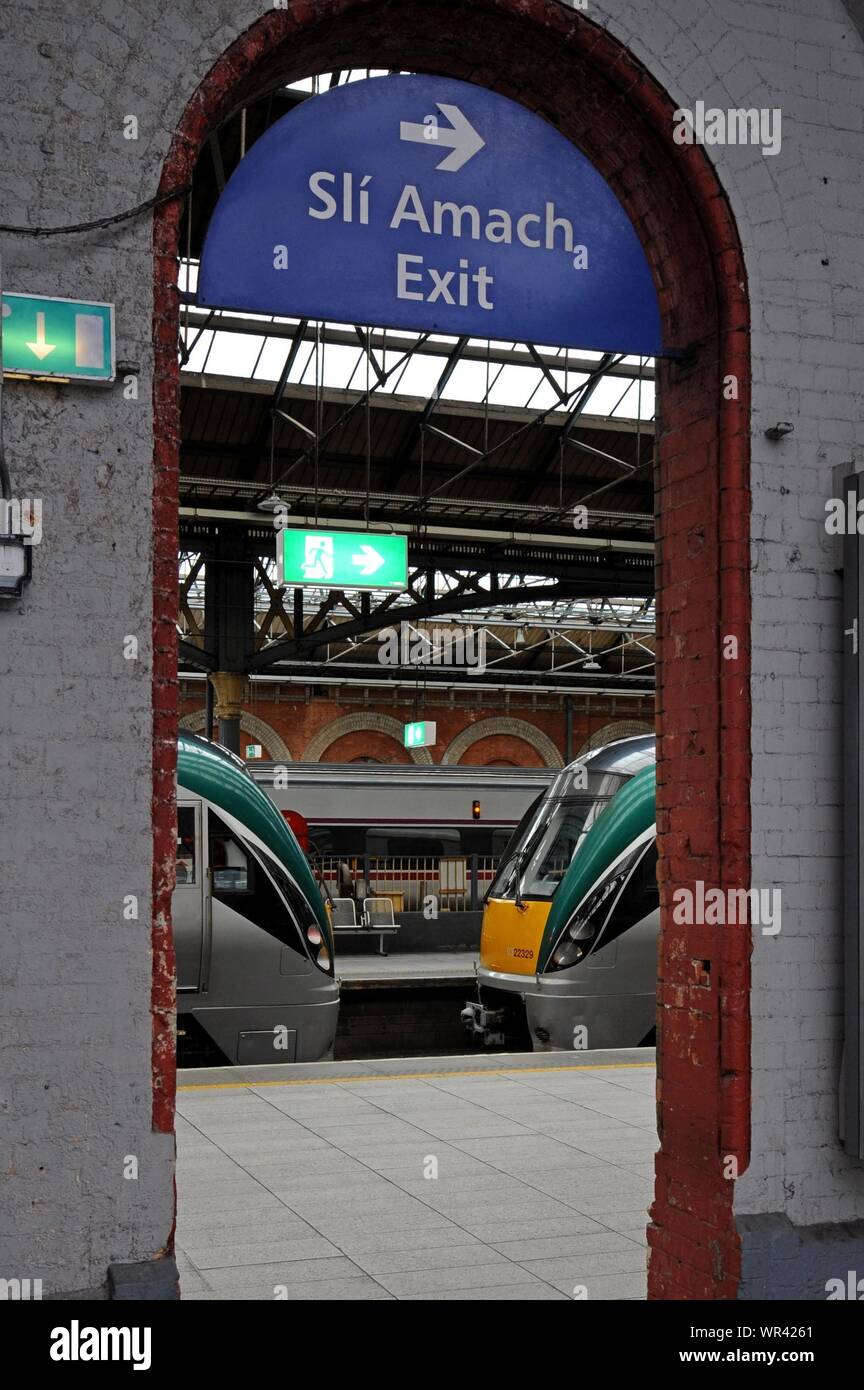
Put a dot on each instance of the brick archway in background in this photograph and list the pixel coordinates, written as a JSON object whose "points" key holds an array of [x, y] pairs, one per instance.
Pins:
{"points": [[276, 746], [370, 722], [557, 62], [511, 728], [623, 728]]}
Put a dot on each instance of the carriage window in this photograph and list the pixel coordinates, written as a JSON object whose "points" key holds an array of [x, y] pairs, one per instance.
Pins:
{"points": [[187, 866], [229, 862], [386, 842], [552, 844]]}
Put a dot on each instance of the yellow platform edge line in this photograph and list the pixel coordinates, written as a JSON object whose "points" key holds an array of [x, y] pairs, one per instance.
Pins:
{"points": [[411, 1076]]}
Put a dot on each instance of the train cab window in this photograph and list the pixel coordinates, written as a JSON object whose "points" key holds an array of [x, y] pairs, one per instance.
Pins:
{"points": [[546, 857], [187, 866], [502, 883], [639, 898], [229, 861]]}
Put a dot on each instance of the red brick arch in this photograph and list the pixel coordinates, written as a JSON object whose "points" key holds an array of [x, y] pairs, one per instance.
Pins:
{"points": [[558, 63], [501, 752], [502, 735]]}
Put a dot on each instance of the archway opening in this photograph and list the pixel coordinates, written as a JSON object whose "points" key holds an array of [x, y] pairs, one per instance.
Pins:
{"points": [[557, 63]]}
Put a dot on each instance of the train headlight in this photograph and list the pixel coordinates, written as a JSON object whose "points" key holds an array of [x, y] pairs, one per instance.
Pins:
{"points": [[568, 953], [574, 942], [320, 953], [580, 933]]}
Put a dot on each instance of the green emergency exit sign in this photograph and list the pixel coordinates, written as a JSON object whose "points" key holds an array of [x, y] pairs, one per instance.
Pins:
{"points": [[343, 560], [68, 338], [422, 735]]}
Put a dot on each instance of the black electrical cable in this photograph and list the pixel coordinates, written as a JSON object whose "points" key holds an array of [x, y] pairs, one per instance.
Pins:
{"points": [[154, 202]]}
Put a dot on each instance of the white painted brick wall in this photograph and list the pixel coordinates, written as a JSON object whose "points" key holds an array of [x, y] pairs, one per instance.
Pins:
{"points": [[808, 366], [76, 1083]]}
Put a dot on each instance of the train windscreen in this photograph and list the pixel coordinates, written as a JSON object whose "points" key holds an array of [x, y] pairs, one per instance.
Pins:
{"points": [[540, 852]]}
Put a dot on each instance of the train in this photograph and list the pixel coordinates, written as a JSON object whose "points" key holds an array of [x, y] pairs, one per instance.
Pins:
{"points": [[395, 825], [568, 951], [253, 938]]}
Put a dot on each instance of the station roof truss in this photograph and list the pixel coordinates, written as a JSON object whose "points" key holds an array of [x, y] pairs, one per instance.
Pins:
{"points": [[521, 474], [530, 629]]}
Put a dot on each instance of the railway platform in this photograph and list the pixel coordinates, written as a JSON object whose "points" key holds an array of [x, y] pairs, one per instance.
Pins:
{"points": [[508, 1177], [406, 968]]}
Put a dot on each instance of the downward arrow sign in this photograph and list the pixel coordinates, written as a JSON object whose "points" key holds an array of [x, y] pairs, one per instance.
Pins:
{"points": [[367, 560], [461, 139], [40, 347]]}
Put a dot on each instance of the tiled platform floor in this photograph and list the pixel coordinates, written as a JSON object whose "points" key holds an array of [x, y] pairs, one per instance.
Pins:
{"points": [[317, 1188]]}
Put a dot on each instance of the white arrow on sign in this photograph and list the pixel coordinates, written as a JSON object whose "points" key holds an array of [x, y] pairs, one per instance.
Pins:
{"points": [[40, 347], [367, 560], [462, 139]]}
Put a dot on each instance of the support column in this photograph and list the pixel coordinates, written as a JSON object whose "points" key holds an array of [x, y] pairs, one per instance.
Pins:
{"points": [[208, 708], [229, 627], [229, 687]]}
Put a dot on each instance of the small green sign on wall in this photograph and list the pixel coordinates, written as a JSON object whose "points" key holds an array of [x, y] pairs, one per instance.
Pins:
{"points": [[420, 735], [68, 338]]}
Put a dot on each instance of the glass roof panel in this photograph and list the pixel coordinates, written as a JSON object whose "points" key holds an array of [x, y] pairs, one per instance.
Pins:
{"points": [[468, 381], [334, 367], [517, 385], [627, 408], [608, 392], [418, 378], [511, 384], [234, 354], [198, 354], [273, 359]]}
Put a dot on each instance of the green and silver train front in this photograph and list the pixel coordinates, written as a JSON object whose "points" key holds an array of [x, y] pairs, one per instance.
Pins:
{"points": [[597, 966], [253, 938], [542, 916]]}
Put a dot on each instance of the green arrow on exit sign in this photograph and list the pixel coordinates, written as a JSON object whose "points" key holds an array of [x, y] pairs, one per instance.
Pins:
{"points": [[343, 560], [68, 338]]}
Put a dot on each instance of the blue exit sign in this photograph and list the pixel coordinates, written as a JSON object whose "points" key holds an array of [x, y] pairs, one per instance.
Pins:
{"points": [[431, 204]]}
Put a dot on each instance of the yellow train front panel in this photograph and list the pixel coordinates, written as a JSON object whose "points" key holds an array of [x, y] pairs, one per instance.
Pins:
{"points": [[511, 936]]}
